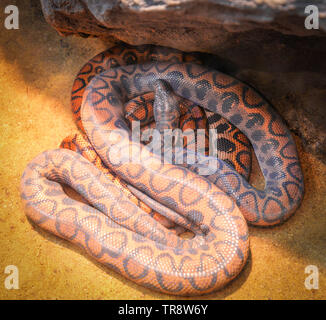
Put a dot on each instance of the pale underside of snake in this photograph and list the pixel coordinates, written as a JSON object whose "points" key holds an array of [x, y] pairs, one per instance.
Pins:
{"points": [[121, 235]]}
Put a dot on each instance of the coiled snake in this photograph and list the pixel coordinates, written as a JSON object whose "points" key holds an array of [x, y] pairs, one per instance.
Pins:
{"points": [[113, 227]]}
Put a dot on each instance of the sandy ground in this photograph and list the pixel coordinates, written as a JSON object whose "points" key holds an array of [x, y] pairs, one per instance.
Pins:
{"points": [[37, 68]]}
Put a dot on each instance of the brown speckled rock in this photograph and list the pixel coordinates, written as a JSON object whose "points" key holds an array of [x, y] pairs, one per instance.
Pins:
{"points": [[262, 42]]}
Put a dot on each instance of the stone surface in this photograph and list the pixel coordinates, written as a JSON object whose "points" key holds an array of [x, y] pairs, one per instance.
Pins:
{"points": [[168, 21], [262, 42]]}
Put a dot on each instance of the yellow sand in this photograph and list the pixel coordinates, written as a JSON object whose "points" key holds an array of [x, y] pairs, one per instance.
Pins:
{"points": [[37, 68]]}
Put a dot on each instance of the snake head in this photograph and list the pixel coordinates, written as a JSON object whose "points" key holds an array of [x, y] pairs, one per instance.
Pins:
{"points": [[166, 106]]}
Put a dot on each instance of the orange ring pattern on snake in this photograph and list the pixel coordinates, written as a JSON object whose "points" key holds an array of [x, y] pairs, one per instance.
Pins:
{"points": [[122, 236]]}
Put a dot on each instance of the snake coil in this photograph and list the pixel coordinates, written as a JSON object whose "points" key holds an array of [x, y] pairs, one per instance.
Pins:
{"points": [[121, 234]]}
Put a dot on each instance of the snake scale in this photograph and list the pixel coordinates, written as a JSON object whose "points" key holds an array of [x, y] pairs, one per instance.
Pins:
{"points": [[112, 226]]}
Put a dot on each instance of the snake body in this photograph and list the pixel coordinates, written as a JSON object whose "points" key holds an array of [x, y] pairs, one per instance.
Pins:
{"points": [[118, 232]]}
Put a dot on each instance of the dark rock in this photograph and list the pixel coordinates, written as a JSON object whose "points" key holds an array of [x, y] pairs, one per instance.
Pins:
{"points": [[261, 42]]}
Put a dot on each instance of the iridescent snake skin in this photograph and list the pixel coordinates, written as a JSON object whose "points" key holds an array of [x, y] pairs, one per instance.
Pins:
{"points": [[119, 233]]}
